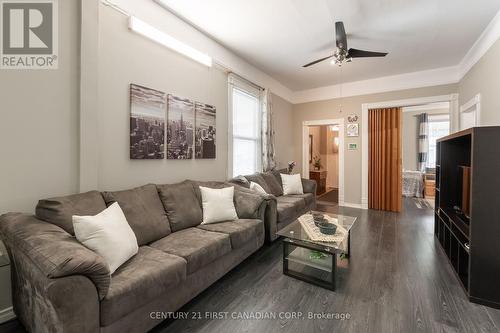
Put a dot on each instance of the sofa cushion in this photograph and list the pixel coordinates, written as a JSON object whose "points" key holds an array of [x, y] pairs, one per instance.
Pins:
{"points": [[240, 180], [141, 279], [257, 178], [275, 187], [198, 247], [308, 197], [59, 211], [240, 231], [277, 175], [289, 207], [218, 204], [107, 234], [181, 204], [144, 212]]}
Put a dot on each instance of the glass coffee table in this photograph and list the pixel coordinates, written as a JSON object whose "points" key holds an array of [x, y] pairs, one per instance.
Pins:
{"points": [[315, 261]]}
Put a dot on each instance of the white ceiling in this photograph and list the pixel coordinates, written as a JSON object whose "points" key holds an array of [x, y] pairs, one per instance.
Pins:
{"points": [[279, 36]]}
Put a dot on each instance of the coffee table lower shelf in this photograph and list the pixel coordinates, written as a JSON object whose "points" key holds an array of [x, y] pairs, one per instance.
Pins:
{"points": [[298, 263]]}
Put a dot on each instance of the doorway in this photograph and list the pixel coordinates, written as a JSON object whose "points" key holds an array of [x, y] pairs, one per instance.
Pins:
{"points": [[450, 100], [422, 125], [323, 156]]}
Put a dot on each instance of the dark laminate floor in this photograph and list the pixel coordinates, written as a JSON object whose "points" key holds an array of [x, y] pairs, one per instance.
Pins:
{"points": [[330, 197], [397, 280]]}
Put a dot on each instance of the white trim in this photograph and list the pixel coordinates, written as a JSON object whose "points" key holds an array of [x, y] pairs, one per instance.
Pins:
{"points": [[89, 97], [186, 31], [7, 314], [252, 90], [473, 105], [487, 38], [476, 100], [426, 78], [427, 107], [351, 205], [173, 24], [452, 99], [305, 150]]}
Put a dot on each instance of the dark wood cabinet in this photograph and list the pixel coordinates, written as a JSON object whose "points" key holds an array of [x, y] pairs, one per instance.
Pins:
{"points": [[320, 178], [468, 177]]}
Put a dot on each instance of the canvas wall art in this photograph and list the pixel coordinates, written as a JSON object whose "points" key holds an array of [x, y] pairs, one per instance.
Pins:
{"points": [[147, 123], [180, 128], [205, 146]]}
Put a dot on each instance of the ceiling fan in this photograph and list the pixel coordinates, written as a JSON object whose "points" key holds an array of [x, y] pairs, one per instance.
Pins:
{"points": [[342, 54]]}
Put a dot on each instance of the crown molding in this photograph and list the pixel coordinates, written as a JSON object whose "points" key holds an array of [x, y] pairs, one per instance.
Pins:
{"points": [[487, 38], [427, 78], [173, 24], [181, 28], [426, 107]]}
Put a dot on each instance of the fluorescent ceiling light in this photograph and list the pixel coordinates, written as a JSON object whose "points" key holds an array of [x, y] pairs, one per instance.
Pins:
{"points": [[162, 38]]}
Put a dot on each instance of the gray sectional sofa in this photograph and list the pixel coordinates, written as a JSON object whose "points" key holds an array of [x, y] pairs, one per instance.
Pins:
{"points": [[61, 286], [281, 209]]}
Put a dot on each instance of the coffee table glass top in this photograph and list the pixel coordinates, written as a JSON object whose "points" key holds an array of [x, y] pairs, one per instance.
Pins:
{"points": [[296, 231]]}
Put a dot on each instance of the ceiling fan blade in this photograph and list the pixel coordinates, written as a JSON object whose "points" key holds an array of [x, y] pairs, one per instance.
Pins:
{"points": [[340, 36], [316, 61], [355, 53]]}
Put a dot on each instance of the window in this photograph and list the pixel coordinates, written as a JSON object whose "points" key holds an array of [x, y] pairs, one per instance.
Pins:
{"points": [[439, 126], [245, 146]]}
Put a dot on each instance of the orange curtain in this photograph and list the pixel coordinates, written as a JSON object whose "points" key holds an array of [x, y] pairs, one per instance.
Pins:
{"points": [[384, 172]]}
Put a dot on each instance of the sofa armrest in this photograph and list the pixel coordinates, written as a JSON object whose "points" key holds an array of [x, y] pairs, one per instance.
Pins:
{"points": [[42, 304], [263, 206], [52, 250], [248, 204], [309, 186]]}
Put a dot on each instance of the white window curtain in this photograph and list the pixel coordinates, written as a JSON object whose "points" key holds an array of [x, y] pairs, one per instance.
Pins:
{"points": [[268, 134], [245, 119]]}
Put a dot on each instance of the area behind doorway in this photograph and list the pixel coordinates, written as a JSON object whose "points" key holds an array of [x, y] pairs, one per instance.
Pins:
{"points": [[324, 161]]}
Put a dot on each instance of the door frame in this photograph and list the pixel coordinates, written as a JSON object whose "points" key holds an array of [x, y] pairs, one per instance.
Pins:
{"points": [[305, 150], [454, 110]]}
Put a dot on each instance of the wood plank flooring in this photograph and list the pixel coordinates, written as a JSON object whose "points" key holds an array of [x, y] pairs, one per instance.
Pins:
{"points": [[396, 280]]}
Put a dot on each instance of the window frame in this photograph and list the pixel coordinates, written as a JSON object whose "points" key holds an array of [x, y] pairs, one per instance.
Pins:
{"points": [[235, 82], [436, 118]]}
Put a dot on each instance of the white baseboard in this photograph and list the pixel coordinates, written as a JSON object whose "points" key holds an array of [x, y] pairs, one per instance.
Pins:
{"points": [[7, 314], [351, 205]]}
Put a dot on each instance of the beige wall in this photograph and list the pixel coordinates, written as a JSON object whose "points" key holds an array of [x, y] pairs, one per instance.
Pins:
{"points": [[410, 136], [39, 125], [329, 109], [39, 130], [484, 78], [125, 58], [283, 122]]}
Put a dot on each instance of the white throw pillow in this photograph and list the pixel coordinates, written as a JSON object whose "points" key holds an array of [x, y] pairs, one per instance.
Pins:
{"points": [[292, 184], [108, 234], [257, 188], [218, 204]]}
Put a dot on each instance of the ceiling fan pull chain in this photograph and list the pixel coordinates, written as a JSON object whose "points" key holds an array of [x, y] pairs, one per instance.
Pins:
{"points": [[340, 84]]}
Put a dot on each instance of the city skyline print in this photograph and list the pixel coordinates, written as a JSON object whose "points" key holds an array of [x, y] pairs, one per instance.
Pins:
{"points": [[205, 145], [147, 123], [180, 128]]}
